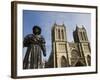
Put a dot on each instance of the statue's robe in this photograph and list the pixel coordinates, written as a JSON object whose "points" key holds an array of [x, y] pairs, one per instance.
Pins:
{"points": [[35, 47]]}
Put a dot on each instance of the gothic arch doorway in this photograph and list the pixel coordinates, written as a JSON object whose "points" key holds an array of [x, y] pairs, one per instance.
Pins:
{"points": [[74, 57], [63, 61], [89, 60], [79, 63]]}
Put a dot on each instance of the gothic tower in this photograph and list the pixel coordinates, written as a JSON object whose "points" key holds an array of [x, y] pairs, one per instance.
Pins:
{"points": [[59, 46], [80, 37]]}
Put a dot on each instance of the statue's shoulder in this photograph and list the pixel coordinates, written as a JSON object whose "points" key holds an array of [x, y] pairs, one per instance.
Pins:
{"points": [[29, 35]]}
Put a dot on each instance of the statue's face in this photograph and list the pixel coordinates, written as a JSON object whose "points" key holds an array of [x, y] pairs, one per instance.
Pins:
{"points": [[37, 31]]}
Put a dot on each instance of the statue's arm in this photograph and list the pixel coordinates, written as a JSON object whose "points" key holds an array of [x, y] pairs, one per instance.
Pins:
{"points": [[27, 41], [43, 47]]}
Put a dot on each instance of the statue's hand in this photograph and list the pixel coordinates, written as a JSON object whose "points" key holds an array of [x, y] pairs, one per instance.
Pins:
{"points": [[33, 40], [44, 54]]}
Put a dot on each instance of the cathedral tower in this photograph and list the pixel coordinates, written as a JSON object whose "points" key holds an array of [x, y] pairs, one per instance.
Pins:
{"points": [[80, 37], [59, 46]]}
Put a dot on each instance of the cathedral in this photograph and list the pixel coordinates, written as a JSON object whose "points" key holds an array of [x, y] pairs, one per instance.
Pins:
{"points": [[69, 54]]}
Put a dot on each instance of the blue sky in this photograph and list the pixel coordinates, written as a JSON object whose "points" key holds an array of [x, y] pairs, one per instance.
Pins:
{"points": [[46, 20]]}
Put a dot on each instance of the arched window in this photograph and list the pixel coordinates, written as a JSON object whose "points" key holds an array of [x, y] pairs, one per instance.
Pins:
{"points": [[75, 54], [59, 34], [85, 36], [64, 62], [89, 60], [81, 35], [56, 33], [62, 32]]}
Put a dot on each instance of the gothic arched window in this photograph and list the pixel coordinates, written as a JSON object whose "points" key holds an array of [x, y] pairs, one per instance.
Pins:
{"points": [[59, 33], [81, 35], [85, 37], [74, 54], [56, 33], [64, 62], [62, 32]]}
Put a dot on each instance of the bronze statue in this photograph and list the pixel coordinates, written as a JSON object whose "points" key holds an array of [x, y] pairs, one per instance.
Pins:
{"points": [[35, 44]]}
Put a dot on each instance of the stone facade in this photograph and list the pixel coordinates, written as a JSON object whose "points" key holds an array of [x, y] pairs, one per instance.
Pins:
{"points": [[69, 54]]}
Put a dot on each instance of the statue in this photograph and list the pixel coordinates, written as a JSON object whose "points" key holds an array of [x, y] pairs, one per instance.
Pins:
{"points": [[35, 44]]}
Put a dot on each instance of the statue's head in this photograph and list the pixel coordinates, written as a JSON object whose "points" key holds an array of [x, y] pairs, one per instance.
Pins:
{"points": [[36, 30]]}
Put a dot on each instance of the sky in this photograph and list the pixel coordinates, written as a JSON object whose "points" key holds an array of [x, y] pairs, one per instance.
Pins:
{"points": [[46, 19]]}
